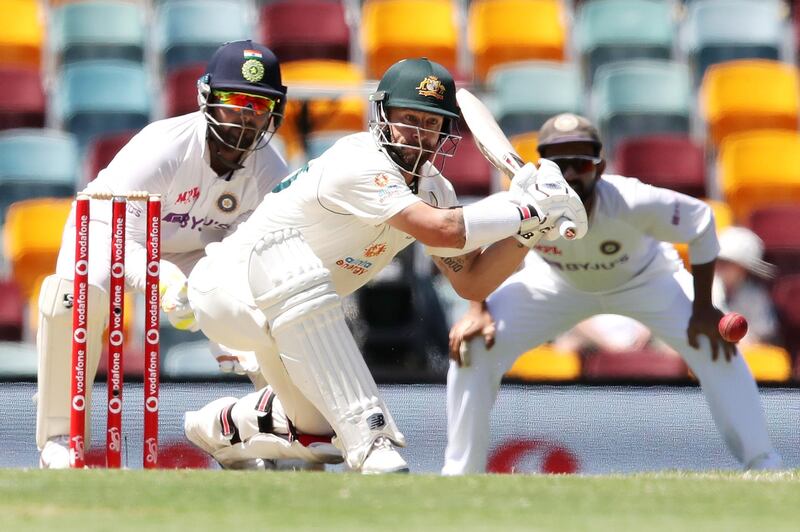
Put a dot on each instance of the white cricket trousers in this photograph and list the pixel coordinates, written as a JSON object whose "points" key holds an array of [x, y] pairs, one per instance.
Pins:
{"points": [[532, 307]]}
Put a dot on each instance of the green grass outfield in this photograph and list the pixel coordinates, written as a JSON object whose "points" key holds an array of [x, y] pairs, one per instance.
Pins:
{"points": [[189, 500]]}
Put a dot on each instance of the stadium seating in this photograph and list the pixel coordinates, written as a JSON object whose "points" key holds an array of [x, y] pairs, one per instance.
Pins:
{"points": [[633, 98], [731, 100], [722, 217], [617, 30], [468, 171], [192, 360], [23, 102], [756, 168], [645, 365], [786, 296], [180, 89], [315, 103], [546, 363], [779, 227], [21, 33], [102, 150], [305, 29], [36, 163], [396, 29], [18, 360], [32, 237], [189, 31], [528, 93], [318, 143], [12, 307], [768, 363], [501, 31], [97, 29], [670, 161], [724, 30], [103, 96]]}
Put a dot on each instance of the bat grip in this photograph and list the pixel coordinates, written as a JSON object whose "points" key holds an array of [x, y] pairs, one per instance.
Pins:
{"points": [[567, 228]]}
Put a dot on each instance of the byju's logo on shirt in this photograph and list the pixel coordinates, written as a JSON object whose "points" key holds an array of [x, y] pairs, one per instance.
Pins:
{"points": [[185, 220], [188, 196]]}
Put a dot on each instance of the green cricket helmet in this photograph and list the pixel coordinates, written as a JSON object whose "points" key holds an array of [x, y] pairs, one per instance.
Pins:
{"points": [[422, 85]]}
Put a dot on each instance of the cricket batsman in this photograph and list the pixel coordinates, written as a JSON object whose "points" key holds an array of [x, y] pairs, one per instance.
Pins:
{"points": [[624, 265], [212, 168], [275, 285]]}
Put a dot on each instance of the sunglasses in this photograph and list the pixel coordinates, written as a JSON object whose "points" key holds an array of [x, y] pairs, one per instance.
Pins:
{"points": [[258, 104], [580, 164]]}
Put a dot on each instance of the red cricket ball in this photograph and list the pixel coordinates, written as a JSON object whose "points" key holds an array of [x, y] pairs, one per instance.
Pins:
{"points": [[732, 327]]}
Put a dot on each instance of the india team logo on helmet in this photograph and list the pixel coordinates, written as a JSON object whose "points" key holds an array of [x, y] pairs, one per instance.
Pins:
{"points": [[431, 86]]}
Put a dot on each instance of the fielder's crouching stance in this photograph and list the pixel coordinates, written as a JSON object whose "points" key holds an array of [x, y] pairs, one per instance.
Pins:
{"points": [[274, 287]]}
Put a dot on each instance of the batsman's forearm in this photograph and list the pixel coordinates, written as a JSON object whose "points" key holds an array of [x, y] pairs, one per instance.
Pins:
{"points": [[703, 280], [490, 268]]}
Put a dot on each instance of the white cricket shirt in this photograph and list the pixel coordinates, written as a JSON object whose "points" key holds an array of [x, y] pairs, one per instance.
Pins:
{"points": [[169, 157], [630, 226], [340, 202]]}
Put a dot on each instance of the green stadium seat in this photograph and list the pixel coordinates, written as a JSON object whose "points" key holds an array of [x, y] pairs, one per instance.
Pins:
{"points": [[528, 93], [633, 98], [189, 31], [192, 360], [723, 30], [18, 360], [36, 163], [103, 29], [102, 96], [617, 30]]}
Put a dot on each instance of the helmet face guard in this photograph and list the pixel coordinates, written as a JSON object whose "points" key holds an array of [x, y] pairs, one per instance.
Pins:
{"points": [[444, 147]]}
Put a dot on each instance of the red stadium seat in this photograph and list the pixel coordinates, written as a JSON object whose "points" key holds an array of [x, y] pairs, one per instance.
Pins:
{"points": [[468, 171], [12, 307], [305, 29], [786, 296], [779, 228], [102, 150], [634, 365], [670, 161], [180, 89], [23, 101]]}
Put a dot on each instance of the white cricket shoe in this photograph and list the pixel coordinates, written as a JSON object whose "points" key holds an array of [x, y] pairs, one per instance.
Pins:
{"points": [[765, 462], [383, 458], [193, 428], [55, 453]]}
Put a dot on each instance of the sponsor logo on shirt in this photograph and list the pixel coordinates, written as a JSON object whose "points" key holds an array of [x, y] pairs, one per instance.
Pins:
{"points": [[185, 220], [547, 250], [609, 247], [356, 266], [588, 266], [188, 196], [390, 192], [373, 250], [382, 180]]}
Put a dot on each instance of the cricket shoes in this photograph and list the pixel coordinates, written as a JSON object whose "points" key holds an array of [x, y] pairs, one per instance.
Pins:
{"points": [[55, 453], [193, 428], [383, 458]]}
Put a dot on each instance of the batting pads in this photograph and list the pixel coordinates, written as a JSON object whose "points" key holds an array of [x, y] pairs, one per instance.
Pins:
{"points": [[55, 354], [294, 290]]}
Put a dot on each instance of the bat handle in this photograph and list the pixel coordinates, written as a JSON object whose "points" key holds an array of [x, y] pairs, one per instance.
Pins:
{"points": [[567, 228]]}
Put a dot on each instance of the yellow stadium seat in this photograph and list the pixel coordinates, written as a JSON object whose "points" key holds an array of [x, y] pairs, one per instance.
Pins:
{"points": [[546, 363], [323, 113], [525, 144], [21, 32], [32, 238], [392, 30], [749, 94], [723, 217], [768, 363], [758, 168], [501, 31]]}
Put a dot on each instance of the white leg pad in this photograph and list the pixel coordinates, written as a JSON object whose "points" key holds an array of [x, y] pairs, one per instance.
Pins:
{"points": [[54, 347], [205, 429], [293, 289]]}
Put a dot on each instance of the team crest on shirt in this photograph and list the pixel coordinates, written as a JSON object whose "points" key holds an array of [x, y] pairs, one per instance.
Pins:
{"points": [[373, 250], [609, 247], [431, 86], [382, 180], [227, 202]]}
